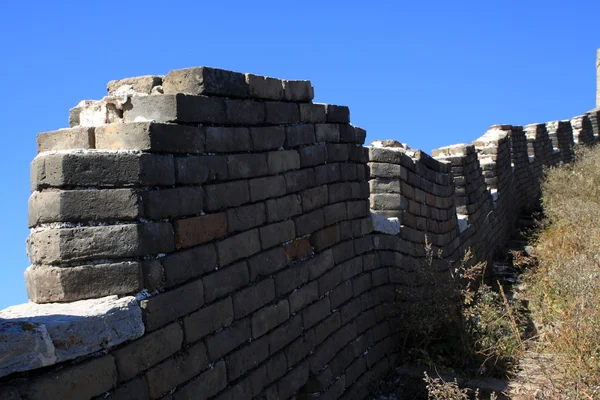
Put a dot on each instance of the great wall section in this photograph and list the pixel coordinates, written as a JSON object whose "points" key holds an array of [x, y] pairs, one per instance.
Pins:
{"points": [[212, 234]]}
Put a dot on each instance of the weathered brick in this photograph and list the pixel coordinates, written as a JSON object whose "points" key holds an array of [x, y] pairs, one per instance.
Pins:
{"points": [[247, 358], [281, 161], [264, 188], [66, 139], [314, 198], [187, 264], [151, 137], [208, 384], [298, 249], [54, 246], [299, 135], [277, 233], [228, 339], [379, 277], [169, 203], [343, 251], [168, 306], [281, 113], [197, 230], [363, 244], [176, 108], [293, 381], [316, 312], [309, 222], [225, 195], [135, 389], [327, 173], [339, 114], [313, 155], [351, 268], [358, 209], [334, 213], [206, 81], [337, 152], [347, 134], [267, 262], [285, 334], [238, 246], [326, 237], [238, 391], [82, 381], [250, 299], [269, 317], [302, 297], [330, 280], [153, 275], [226, 281], [195, 170], [244, 112], [312, 113], [290, 278], [208, 320], [361, 284], [300, 348], [139, 84], [101, 170], [177, 370], [147, 351], [245, 217], [348, 172], [299, 179], [227, 139], [263, 87], [340, 192], [340, 294], [83, 205], [246, 165], [327, 133], [267, 137], [319, 264], [298, 90], [283, 207]]}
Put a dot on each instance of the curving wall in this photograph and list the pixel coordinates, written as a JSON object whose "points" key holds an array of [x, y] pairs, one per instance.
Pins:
{"points": [[211, 234]]}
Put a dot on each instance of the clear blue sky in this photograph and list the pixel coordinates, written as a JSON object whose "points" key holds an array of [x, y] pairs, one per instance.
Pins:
{"points": [[425, 73]]}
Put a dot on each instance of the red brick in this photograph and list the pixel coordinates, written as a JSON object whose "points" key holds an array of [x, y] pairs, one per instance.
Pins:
{"points": [[192, 231], [298, 249]]}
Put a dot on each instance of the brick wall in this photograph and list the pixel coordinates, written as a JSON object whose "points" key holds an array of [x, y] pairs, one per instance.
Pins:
{"points": [[249, 243]]}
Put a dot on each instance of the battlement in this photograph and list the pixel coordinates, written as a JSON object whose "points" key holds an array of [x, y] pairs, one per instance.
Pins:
{"points": [[213, 234]]}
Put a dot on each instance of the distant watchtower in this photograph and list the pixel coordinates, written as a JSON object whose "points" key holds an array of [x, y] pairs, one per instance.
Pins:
{"points": [[598, 79]]}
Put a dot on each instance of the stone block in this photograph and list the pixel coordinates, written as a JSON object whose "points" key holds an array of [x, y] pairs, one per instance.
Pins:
{"points": [[269, 317], [197, 230], [314, 198], [163, 308], [389, 202], [101, 169], [238, 246], [327, 133], [298, 91], [290, 278], [247, 358], [138, 85], [246, 217], [208, 320], [35, 335], [171, 203], [225, 195], [283, 207], [208, 384], [151, 137], [262, 87], [316, 312], [267, 137], [312, 113], [338, 114], [274, 234], [245, 112], [299, 135], [83, 205], [187, 264], [282, 161], [298, 249], [66, 139], [178, 108], [264, 188], [82, 381], [55, 246], [266, 263], [299, 180], [175, 371], [302, 297], [147, 351], [228, 339], [46, 284], [250, 299], [206, 81], [221, 139], [313, 155], [226, 281], [281, 113]]}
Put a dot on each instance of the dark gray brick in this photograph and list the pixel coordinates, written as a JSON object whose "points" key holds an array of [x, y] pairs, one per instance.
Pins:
{"points": [[269, 317], [247, 358], [187, 264], [282, 161], [283, 207], [330, 280], [314, 198], [267, 137], [244, 112], [281, 113], [208, 384], [227, 139], [264, 188], [320, 264], [228, 339], [313, 155], [340, 114], [246, 165], [245, 217], [302, 297], [170, 203], [299, 180], [299, 135], [274, 234], [191, 170], [225, 195], [206, 81], [285, 334], [309, 222], [250, 299], [316, 312], [327, 133], [312, 113], [290, 278], [334, 213], [226, 281], [208, 320]]}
